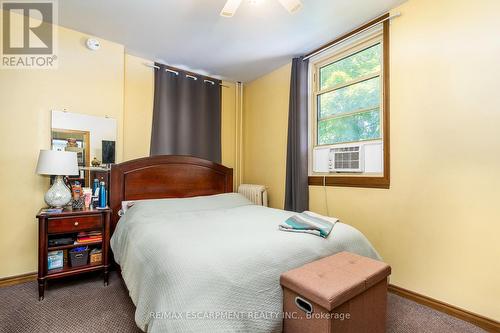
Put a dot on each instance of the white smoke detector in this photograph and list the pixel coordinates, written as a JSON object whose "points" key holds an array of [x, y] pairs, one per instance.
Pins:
{"points": [[93, 44]]}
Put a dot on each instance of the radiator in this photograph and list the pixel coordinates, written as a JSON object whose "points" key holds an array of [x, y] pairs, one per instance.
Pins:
{"points": [[255, 193]]}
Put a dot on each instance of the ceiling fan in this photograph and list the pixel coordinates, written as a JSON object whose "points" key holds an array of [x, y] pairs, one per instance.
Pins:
{"points": [[232, 5]]}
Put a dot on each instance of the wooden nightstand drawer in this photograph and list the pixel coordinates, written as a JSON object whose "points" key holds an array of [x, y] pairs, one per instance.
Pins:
{"points": [[74, 224]]}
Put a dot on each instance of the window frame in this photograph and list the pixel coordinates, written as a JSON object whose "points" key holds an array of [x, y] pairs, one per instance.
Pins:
{"points": [[372, 37]]}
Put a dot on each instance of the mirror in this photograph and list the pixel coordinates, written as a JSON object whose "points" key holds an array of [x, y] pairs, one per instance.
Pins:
{"points": [[92, 138], [76, 141]]}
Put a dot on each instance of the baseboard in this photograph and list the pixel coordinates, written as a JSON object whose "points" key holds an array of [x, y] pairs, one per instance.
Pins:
{"points": [[487, 324], [18, 279]]}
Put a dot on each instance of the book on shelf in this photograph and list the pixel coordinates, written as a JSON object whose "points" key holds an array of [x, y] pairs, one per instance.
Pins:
{"points": [[85, 241], [88, 237]]}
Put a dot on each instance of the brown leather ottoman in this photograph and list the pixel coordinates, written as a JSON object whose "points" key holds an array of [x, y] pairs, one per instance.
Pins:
{"points": [[341, 293]]}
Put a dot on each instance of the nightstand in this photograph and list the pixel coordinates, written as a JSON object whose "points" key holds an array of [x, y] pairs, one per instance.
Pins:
{"points": [[69, 223]]}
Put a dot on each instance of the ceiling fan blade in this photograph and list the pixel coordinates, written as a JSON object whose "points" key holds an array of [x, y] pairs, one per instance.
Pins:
{"points": [[291, 5], [230, 8]]}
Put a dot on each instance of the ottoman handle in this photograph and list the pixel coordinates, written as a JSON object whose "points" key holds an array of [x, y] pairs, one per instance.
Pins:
{"points": [[303, 304]]}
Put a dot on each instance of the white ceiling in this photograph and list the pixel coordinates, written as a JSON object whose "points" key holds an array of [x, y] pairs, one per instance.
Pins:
{"points": [[191, 34]]}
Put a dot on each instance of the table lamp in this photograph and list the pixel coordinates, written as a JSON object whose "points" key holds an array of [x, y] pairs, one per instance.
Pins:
{"points": [[59, 164]]}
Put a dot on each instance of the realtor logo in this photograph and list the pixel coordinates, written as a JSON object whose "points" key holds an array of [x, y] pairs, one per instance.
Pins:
{"points": [[28, 34]]}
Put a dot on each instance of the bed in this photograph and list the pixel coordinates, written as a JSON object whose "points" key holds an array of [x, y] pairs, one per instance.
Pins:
{"points": [[196, 257]]}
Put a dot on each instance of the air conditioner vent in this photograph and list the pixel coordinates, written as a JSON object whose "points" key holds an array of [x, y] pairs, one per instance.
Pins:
{"points": [[346, 159]]}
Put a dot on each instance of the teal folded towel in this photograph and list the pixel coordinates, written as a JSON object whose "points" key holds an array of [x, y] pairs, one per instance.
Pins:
{"points": [[310, 223]]}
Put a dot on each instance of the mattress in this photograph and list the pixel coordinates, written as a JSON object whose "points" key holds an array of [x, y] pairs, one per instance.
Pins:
{"points": [[212, 264]]}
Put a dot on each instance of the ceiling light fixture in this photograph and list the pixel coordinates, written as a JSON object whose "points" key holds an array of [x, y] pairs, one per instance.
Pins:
{"points": [[231, 6]]}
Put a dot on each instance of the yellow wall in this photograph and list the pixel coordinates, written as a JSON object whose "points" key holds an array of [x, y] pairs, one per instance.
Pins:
{"points": [[265, 120], [105, 82], [138, 107], [438, 225], [85, 82]]}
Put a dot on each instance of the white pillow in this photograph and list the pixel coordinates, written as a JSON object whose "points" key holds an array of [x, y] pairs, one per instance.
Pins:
{"points": [[126, 205]]}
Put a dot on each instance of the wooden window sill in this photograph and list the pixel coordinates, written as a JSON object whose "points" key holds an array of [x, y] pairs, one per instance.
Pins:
{"points": [[347, 181]]}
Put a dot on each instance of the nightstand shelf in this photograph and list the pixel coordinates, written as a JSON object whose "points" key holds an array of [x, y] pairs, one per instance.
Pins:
{"points": [[71, 246], [70, 222], [68, 270]]}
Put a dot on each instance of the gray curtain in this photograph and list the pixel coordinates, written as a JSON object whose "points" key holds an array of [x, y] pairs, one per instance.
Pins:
{"points": [[297, 188], [186, 115]]}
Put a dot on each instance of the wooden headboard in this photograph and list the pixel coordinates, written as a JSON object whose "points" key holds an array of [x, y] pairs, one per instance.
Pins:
{"points": [[168, 176]]}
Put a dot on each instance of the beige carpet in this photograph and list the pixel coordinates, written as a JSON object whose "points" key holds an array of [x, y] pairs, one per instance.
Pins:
{"points": [[85, 305]]}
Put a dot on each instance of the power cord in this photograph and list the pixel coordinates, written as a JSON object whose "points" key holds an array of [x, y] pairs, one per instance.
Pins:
{"points": [[326, 197]]}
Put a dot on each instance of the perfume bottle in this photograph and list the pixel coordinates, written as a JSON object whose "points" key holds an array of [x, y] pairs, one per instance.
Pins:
{"points": [[95, 185]]}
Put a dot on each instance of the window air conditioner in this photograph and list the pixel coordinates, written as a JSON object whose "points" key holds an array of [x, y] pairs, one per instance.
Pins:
{"points": [[346, 159]]}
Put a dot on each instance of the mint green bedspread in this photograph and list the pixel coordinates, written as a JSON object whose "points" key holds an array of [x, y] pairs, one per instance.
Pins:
{"points": [[212, 264]]}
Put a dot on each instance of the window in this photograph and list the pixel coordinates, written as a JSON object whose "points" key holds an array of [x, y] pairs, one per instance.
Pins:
{"points": [[348, 102], [349, 112]]}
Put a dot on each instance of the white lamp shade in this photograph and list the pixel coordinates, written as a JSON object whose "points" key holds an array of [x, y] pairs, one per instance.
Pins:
{"points": [[57, 163]]}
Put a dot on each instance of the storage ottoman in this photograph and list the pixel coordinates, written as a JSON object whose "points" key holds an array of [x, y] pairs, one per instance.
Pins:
{"points": [[340, 293]]}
